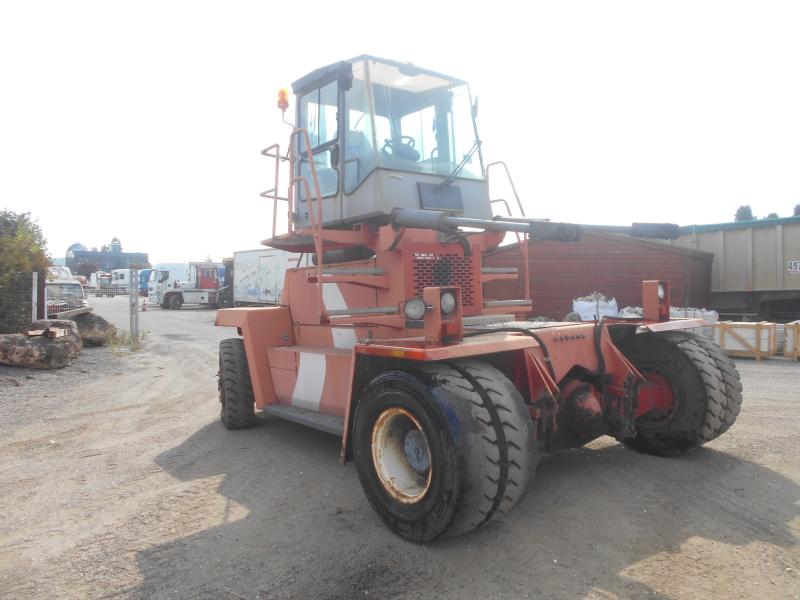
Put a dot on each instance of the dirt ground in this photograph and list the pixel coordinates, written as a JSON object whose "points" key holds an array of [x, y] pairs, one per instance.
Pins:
{"points": [[118, 481]]}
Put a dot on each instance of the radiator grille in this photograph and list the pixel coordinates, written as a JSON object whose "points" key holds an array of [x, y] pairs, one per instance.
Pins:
{"points": [[439, 270]]}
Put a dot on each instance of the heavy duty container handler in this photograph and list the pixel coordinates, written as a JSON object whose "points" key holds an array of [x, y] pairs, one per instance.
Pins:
{"points": [[442, 397]]}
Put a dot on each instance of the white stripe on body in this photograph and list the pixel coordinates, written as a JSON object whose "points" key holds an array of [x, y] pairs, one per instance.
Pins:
{"points": [[310, 381], [343, 337]]}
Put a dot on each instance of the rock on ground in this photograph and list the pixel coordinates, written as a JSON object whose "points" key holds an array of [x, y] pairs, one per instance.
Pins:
{"points": [[94, 329], [41, 352]]}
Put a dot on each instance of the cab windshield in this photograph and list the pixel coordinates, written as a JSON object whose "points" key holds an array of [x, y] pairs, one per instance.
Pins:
{"points": [[409, 121]]}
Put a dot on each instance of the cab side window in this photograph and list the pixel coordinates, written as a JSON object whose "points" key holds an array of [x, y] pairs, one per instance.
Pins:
{"points": [[319, 115]]}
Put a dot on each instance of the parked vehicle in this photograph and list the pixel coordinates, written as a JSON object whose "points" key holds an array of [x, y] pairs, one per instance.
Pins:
{"points": [[57, 272], [443, 397], [99, 279], [201, 288], [144, 278], [99, 284], [165, 276], [255, 277], [64, 297], [121, 281]]}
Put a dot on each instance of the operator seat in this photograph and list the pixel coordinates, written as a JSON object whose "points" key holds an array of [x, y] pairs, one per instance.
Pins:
{"points": [[359, 158], [328, 179]]}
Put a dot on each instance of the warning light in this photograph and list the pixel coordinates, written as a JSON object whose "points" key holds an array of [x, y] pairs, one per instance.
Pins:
{"points": [[283, 99]]}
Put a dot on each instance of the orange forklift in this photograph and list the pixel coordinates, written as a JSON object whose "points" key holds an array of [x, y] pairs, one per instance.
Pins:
{"points": [[444, 398]]}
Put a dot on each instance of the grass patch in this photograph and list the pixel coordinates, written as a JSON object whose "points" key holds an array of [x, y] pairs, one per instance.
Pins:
{"points": [[124, 342]]}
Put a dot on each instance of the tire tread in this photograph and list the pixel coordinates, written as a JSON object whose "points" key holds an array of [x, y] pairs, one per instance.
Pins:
{"points": [[236, 396]]}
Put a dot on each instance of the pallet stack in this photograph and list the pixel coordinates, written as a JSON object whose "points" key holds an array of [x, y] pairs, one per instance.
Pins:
{"points": [[752, 340], [791, 340]]}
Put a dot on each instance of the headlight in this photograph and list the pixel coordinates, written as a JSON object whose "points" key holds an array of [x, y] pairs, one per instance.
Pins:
{"points": [[661, 292], [415, 309], [447, 303]]}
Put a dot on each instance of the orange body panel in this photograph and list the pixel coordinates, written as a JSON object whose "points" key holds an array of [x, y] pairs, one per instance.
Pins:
{"points": [[262, 329], [311, 378], [303, 353]]}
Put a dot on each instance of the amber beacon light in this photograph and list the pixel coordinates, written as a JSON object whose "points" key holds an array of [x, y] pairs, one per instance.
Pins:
{"points": [[283, 99]]}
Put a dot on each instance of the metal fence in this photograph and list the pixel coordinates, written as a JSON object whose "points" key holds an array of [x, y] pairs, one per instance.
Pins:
{"points": [[133, 300], [18, 302], [106, 291]]}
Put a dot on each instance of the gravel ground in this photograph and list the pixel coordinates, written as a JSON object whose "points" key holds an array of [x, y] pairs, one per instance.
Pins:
{"points": [[119, 482], [27, 396]]}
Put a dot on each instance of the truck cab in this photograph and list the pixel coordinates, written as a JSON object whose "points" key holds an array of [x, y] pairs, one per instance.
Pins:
{"points": [[164, 277], [121, 280], [385, 135], [200, 289]]}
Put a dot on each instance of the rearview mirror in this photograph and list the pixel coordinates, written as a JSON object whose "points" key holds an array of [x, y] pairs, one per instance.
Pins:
{"points": [[475, 108]]}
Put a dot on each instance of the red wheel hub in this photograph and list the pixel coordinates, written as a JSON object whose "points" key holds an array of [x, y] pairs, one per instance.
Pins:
{"points": [[657, 400]]}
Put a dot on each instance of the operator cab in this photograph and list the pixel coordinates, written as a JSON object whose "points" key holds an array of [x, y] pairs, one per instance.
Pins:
{"points": [[385, 135]]}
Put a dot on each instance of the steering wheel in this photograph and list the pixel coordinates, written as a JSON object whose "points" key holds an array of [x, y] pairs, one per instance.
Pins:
{"points": [[405, 140]]}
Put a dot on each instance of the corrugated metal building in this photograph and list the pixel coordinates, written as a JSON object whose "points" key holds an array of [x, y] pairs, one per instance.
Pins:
{"points": [[756, 264], [612, 264]]}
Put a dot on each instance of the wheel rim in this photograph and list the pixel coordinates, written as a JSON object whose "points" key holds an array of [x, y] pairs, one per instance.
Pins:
{"points": [[659, 395], [401, 455]]}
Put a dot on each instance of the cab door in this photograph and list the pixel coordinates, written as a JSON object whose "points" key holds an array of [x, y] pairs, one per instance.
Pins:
{"points": [[318, 115]]}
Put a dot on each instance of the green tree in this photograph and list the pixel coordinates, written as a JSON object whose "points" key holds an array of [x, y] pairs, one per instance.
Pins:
{"points": [[86, 268], [772, 215], [744, 213], [22, 246], [797, 210]]}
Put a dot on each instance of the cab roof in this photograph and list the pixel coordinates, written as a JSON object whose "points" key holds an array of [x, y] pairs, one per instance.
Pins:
{"points": [[324, 75]]}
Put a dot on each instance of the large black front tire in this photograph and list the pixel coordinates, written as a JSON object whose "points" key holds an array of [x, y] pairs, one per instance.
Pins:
{"points": [[705, 385], [237, 402], [480, 442]]}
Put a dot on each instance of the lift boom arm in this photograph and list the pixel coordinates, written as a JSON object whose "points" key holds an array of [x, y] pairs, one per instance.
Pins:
{"points": [[537, 229]]}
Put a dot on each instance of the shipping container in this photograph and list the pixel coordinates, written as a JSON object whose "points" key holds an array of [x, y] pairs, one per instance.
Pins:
{"points": [[756, 268], [612, 264]]}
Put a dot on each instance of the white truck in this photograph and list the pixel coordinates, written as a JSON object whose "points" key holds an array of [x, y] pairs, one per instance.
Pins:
{"points": [[258, 276], [165, 276], [200, 288], [99, 279], [121, 281]]}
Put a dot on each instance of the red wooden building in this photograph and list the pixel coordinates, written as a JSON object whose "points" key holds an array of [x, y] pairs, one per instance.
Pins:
{"points": [[612, 264]]}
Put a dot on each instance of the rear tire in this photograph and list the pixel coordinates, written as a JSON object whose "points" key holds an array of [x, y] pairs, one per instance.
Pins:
{"points": [[706, 392], [730, 375], [477, 444], [237, 401]]}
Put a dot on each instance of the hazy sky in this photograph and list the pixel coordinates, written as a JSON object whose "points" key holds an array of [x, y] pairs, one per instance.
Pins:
{"points": [[144, 120]]}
